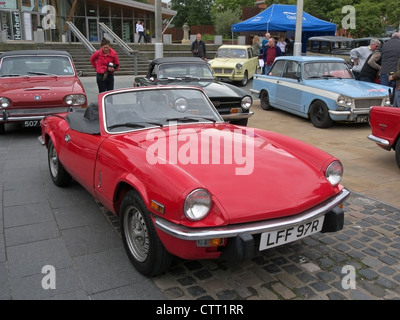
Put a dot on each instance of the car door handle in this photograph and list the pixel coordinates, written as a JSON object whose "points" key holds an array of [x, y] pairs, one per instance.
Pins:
{"points": [[67, 138]]}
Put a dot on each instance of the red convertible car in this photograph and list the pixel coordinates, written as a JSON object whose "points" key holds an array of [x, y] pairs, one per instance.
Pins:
{"points": [[385, 129], [35, 83], [185, 183]]}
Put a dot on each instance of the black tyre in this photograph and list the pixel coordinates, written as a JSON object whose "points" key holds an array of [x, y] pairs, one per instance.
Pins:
{"points": [[141, 242], [58, 174], [245, 79], [2, 128], [241, 122], [319, 115], [397, 152], [264, 100]]}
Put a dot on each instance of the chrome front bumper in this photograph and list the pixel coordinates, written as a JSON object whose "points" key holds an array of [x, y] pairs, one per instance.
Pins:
{"points": [[236, 116], [185, 233]]}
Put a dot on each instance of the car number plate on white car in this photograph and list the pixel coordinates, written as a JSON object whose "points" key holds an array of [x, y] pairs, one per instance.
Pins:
{"points": [[279, 237], [362, 119]]}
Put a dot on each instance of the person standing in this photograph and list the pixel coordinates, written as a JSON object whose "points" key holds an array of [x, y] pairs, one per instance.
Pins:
{"points": [[372, 67], [264, 43], [199, 48], [396, 77], [359, 56], [105, 61], [290, 47], [140, 30], [282, 45], [270, 53], [143, 34], [390, 58]]}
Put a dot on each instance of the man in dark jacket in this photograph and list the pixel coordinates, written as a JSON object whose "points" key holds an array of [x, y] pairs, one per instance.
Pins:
{"points": [[270, 53], [371, 67], [199, 48], [390, 58]]}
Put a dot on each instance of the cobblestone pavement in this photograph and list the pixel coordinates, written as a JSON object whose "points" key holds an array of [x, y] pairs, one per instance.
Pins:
{"points": [[317, 267]]}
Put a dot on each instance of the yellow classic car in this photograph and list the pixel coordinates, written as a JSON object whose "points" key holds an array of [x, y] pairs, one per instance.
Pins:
{"points": [[234, 63]]}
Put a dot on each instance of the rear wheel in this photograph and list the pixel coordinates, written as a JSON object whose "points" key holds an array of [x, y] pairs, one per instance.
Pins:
{"points": [[58, 174], [397, 151], [142, 244], [319, 115], [264, 100]]}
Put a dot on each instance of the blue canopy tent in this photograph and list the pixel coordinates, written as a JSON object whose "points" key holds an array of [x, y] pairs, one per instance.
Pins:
{"points": [[282, 18]]}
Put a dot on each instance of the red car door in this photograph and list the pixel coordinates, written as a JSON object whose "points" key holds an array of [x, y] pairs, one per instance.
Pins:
{"points": [[79, 156]]}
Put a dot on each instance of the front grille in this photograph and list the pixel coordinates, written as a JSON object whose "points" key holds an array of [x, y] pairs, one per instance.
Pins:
{"points": [[223, 71], [367, 103]]}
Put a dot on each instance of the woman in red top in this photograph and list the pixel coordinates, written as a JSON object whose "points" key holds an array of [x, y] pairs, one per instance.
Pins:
{"points": [[105, 61]]}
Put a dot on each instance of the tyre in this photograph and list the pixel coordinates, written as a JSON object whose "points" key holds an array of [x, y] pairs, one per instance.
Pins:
{"points": [[2, 128], [241, 122], [264, 100], [319, 115], [141, 242], [58, 174], [245, 79], [397, 152]]}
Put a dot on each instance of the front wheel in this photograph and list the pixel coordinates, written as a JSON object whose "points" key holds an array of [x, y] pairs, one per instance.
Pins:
{"points": [[264, 100], [58, 174], [141, 242], [397, 152], [245, 79], [319, 115]]}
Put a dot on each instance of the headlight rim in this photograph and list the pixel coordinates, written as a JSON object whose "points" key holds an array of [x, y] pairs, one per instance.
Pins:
{"points": [[333, 175], [246, 105], [2, 103], [75, 99], [194, 193]]}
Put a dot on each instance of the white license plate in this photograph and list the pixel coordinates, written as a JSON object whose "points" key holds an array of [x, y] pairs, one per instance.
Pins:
{"points": [[362, 119], [279, 237]]}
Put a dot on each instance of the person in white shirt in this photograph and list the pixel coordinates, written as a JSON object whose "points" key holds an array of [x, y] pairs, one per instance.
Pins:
{"points": [[282, 44], [359, 56]]}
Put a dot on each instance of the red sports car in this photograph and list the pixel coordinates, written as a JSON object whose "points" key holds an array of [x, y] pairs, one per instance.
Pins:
{"points": [[35, 83], [385, 129], [185, 183]]}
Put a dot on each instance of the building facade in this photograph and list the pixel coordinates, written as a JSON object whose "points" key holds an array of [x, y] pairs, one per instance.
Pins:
{"points": [[19, 19]]}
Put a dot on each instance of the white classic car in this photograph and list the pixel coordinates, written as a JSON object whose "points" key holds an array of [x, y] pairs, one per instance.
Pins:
{"points": [[234, 63], [322, 89]]}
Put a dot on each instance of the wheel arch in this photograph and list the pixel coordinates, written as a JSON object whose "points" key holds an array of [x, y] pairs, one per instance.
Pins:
{"points": [[125, 186], [315, 100]]}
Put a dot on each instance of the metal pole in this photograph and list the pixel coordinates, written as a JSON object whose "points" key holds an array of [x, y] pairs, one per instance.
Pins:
{"points": [[299, 26], [158, 46]]}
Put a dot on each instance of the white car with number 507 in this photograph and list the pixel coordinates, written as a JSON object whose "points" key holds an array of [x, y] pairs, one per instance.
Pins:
{"points": [[322, 89]]}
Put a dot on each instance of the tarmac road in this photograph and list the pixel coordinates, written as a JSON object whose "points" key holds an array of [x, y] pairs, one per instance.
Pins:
{"points": [[42, 225]]}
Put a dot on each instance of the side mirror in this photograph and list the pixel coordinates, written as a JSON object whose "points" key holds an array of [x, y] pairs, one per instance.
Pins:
{"points": [[80, 73]]}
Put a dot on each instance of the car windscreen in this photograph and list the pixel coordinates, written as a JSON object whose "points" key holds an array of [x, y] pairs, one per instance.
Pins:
{"points": [[326, 70], [184, 70], [141, 109], [14, 66], [231, 53]]}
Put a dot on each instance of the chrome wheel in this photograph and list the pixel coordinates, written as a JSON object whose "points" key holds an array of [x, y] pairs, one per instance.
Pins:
{"points": [[53, 161], [137, 236]]}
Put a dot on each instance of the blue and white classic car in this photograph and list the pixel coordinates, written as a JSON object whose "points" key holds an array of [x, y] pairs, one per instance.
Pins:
{"points": [[322, 89]]}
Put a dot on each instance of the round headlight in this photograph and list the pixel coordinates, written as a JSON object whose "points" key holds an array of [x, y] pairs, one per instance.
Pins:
{"points": [[181, 104], [197, 204], [247, 101], [387, 101], [75, 99], [4, 102], [334, 172], [239, 66], [344, 101]]}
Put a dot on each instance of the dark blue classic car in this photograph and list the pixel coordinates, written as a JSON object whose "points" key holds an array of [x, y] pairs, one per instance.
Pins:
{"points": [[232, 103], [322, 89]]}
